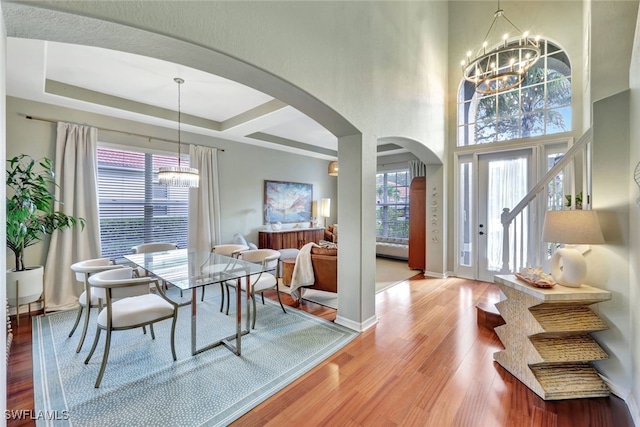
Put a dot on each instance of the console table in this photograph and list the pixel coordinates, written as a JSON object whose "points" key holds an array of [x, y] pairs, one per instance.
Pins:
{"points": [[290, 238], [547, 338]]}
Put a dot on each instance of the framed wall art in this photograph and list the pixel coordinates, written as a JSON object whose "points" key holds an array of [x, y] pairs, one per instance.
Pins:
{"points": [[287, 202]]}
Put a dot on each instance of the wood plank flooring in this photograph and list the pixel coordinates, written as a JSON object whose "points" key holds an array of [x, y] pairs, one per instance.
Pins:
{"points": [[426, 363]]}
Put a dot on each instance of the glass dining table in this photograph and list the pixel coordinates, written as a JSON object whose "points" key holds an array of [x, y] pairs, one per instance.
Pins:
{"points": [[190, 270]]}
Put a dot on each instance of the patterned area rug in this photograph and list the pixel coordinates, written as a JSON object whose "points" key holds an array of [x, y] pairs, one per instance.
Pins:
{"points": [[142, 384]]}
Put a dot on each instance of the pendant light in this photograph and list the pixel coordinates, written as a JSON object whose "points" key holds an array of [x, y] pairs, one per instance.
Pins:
{"points": [[333, 168], [178, 176]]}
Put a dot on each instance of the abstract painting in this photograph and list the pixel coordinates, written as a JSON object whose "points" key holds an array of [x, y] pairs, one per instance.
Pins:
{"points": [[287, 202]]}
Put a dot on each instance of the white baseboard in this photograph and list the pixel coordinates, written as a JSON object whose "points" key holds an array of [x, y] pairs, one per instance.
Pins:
{"points": [[35, 306], [626, 395], [436, 274], [622, 392], [359, 327]]}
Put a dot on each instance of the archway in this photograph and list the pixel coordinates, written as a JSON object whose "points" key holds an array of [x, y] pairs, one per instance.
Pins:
{"points": [[27, 21], [436, 206]]}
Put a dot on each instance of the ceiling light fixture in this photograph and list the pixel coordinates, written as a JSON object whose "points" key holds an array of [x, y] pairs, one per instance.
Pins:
{"points": [[178, 176], [333, 168], [504, 67]]}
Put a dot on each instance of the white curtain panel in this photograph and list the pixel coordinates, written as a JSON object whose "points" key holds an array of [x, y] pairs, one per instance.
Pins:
{"points": [[507, 186], [416, 168], [204, 201], [77, 192]]}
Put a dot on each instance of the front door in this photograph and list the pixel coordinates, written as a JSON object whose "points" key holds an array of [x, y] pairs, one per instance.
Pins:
{"points": [[503, 180], [488, 183]]}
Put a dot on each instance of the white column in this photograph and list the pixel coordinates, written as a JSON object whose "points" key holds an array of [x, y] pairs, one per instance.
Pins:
{"points": [[356, 220]]}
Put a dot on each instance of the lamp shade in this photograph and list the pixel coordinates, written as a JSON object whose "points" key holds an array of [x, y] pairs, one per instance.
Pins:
{"points": [[577, 227], [333, 168], [325, 208], [580, 227]]}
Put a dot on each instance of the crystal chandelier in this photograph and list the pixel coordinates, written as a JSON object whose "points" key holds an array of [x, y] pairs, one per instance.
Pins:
{"points": [[503, 67], [178, 176]]}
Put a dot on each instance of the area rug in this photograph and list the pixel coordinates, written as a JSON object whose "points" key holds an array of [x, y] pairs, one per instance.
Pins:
{"points": [[142, 385], [389, 272]]}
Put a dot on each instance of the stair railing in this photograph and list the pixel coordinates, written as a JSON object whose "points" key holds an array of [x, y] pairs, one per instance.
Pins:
{"points": [[518, 252]]}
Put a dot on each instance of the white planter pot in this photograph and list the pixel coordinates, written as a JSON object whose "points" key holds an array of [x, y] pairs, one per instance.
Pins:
{"points": [[26, 286]]}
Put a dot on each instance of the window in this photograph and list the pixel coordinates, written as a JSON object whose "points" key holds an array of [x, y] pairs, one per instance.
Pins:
{"points": [[392, 204], [134, 209], [541, 105]]}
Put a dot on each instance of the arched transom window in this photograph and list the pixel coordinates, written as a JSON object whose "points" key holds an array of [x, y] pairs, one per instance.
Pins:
{"points": [[541, 105]]}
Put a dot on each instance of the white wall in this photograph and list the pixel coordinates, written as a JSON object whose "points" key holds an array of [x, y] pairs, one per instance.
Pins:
{"points": [[608, 264], [634, 224], [243, 168], [612, 26]]}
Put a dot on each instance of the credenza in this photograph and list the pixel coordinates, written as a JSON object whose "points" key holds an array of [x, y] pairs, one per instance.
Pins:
{"points": [[547, 338], [290, 238]]}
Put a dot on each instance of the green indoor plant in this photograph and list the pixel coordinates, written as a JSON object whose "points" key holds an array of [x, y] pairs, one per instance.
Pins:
{"points": [[578, 200], [30, 205]]}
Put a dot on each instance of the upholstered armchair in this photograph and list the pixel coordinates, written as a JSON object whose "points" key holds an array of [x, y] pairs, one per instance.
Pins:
{"points": [[331, 233], [87, 300], [129, 304]]}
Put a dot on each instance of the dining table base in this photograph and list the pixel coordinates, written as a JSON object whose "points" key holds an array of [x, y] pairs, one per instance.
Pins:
{"points": [[237, 348]]}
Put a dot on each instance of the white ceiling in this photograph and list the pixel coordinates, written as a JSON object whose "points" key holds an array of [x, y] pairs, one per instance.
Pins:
{"points": [[142, 89]]}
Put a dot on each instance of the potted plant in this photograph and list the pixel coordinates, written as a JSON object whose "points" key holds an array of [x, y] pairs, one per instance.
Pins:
{"points": [[578, 200], [30, 217]]}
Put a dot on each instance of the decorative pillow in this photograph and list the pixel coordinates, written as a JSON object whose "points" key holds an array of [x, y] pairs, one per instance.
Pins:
{"points": [[324, 251], [327, 244], [238, 239]]}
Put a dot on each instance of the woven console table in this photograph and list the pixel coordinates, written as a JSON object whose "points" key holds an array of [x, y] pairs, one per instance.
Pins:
{"points": [[547, 338]]}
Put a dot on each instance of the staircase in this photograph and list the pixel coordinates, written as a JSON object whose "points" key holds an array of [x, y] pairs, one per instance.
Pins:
{"points": [[526, 218], [548, 345]]}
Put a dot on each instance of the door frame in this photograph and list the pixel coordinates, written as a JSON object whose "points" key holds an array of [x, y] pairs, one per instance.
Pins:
{"points": [[539, 148], [481, 205]]}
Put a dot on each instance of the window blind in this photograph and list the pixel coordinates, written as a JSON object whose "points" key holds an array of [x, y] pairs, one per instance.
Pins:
{"points": [[392, 204], [134, 209]]}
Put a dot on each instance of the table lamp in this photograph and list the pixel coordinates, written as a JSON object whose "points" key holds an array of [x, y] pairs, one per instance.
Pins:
{"points": [[325, 210], [571, 227]]}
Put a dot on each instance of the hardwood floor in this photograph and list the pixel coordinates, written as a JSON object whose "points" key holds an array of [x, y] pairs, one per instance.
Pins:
{"points": [[426, 363]]}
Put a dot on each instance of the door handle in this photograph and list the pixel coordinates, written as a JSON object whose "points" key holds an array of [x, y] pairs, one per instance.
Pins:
{"points": [[481, 233]]}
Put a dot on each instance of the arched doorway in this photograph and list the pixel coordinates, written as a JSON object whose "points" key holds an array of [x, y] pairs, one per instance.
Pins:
{"points": [[26, 21]]}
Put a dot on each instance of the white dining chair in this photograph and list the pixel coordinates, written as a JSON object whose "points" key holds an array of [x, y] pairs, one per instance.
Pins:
{"points": [[260, 282], [129, 304], [146, 248], [230, 250], [87, 300]]}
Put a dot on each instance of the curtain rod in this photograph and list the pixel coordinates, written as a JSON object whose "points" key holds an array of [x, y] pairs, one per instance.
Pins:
{"points": [[118, 131]]}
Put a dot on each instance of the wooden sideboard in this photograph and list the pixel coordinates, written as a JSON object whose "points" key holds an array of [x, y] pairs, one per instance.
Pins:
{"points": [[290, 238], [547, 338]]}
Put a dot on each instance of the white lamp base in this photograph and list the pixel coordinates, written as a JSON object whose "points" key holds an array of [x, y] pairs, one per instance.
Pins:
{"points": [[574, 267]]}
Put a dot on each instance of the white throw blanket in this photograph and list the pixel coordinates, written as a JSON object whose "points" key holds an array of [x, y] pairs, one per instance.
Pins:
{"points": [[302, 271]]}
